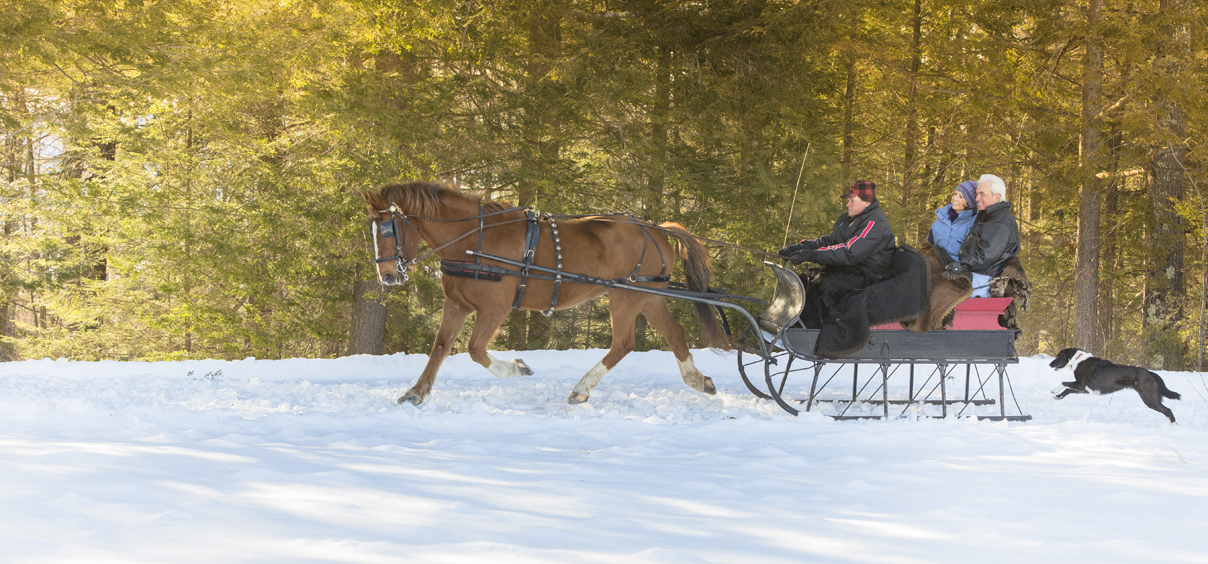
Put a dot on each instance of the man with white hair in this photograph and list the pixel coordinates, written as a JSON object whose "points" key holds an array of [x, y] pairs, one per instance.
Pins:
{"points": [[992, 241]]}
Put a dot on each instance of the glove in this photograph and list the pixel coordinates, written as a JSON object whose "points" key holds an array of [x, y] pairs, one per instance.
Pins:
{"points": [[803, 255], [789, 250], [954, 271]]}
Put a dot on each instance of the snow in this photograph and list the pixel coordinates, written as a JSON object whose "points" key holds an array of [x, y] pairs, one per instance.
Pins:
{"points": [[312, 461]]}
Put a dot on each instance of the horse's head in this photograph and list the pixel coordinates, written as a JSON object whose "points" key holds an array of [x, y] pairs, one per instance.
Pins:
{"points": [[395, 239]]}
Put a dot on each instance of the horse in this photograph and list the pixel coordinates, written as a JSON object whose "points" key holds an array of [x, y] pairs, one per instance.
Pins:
{"points": [[452, 221]]}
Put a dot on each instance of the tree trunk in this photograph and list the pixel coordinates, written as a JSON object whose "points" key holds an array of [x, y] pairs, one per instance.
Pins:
{"points": [[659, 113], [849, 100], [539, 327], [1110, 248], [517, 328], [909, 197], [5, 314], [1086, 270], [926, 180], [545, 48], [367, 333], [1034, 200], [1164, 284]]}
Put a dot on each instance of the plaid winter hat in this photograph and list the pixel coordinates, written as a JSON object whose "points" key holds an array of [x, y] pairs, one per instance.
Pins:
{"points": [[969, 189], [864, 189]]}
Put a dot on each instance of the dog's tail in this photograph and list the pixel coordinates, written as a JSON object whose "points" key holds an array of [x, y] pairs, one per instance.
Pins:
{"points": [[1166, 393]]}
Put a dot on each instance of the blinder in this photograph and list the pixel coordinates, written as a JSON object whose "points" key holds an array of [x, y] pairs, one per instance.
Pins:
{"points": [[389, 230]]}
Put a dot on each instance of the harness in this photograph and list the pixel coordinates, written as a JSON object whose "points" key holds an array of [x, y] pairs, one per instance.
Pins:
{"points": [[525, 268]]}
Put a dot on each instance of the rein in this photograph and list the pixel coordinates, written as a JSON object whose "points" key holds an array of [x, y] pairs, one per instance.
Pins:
{"points": [[402, 262], [608, 217]]}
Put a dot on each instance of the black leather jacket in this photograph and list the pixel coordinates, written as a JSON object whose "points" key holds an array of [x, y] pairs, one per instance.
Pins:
{"points": [[864, 241], [992, 241]]}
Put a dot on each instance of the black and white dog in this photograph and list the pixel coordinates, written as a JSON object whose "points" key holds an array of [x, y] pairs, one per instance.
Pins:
{"points": [[1101, 376]]}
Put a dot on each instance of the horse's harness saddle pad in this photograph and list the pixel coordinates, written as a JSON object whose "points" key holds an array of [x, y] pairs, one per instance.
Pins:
{"points": [[478, 271]]}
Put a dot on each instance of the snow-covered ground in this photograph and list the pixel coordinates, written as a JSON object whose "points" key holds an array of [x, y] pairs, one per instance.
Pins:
{"points": [[312, 461]]}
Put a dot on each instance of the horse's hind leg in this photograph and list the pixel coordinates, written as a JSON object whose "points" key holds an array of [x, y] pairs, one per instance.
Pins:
{"points": [[485, 327], [659, 316], [453, 316], [623, 309]]}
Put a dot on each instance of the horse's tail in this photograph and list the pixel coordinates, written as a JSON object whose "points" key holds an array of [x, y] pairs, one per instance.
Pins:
{"points": [[696, 265]]}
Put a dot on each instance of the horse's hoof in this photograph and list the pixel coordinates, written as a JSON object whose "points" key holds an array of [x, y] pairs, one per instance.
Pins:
{"points": [[411, 398], [523, 368], [576, 398], [709, 388]]}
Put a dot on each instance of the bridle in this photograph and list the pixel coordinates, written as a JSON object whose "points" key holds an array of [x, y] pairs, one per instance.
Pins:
{"points": [[389, 229]]}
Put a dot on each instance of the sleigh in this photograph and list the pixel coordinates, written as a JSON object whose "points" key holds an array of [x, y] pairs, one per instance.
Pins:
{"points": [[894, 374]]}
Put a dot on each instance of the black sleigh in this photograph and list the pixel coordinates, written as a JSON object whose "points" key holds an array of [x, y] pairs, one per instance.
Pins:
{"points": [[886, 371]]}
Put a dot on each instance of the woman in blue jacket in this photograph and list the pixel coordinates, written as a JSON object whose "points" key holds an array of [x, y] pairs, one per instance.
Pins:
{"points": [[954, 220]]}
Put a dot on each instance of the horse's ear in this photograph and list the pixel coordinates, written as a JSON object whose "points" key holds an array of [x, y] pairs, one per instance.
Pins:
{"points": [[374, 202]]}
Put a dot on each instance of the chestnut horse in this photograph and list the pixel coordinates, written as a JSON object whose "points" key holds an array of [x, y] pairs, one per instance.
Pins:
{"points": [[605, 247]]}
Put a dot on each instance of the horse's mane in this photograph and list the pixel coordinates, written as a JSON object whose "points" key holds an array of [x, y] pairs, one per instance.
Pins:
{"points": [[425, 198]]}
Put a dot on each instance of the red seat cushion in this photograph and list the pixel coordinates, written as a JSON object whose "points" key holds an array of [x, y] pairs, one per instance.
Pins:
{"points": [[971, 314]]}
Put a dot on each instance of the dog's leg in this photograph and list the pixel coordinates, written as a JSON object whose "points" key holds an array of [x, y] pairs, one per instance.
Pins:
{"points": [[1155, 403], [1067, 389]]}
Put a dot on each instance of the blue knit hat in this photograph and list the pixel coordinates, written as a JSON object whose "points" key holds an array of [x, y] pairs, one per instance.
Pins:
{"points": [[969, 189]]}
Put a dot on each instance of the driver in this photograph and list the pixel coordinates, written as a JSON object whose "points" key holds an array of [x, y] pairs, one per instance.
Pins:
{"points": [[856, 254]]}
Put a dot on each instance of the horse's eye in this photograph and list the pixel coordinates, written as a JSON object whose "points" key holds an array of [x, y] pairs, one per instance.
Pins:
{"points": [[387, 229]]}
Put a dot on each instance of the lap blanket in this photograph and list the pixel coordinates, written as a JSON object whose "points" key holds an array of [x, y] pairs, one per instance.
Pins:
{"points": [[845, 326], [947, 294]]}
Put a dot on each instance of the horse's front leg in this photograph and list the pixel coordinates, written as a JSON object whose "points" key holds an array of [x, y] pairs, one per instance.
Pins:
{"points": [[453, 316], [485, 327], [623, 309]]}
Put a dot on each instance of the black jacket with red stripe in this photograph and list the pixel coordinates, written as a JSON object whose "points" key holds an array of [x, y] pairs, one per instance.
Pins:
{"points": [[864, 241]]}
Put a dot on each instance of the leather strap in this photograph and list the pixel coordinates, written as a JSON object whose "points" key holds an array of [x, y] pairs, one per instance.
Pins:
{"points": [[475, 270], [530, 252]]}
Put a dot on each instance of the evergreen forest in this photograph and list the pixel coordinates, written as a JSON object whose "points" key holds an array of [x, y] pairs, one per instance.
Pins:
{"points": [[181, 179]]}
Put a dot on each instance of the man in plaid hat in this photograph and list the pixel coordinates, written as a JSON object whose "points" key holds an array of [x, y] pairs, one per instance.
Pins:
{"points": [[857, 253]]}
